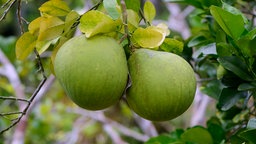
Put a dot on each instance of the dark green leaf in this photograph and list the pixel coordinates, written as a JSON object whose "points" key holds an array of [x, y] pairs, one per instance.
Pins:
{"points": [[224, 49], [111, 8], [229, 97], [232, 24], [198, 135], [246, 86], [205, 50], [217, 132], [198, 40], [212, 89], [248, 135], [236, 65]]}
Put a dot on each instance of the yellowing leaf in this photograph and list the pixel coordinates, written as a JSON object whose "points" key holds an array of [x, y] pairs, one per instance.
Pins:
{"points": [[34, 26], [71, 22], [149, 11], [42, 46], [163, 28], [133, 18], [149, 37], [96, 22], [55, 8], [50, 28], [25, 45]]}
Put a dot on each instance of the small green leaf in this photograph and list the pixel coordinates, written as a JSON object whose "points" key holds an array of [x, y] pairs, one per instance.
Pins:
{"points": [[205, 50], [232, 24], [55, 8], [224, 49], [194, 3], [111, 8], [198, 135], [50, 28], [229, 97], [172, 45], [149, 37], [25, 45], [96, 22], [149, 11], [212, 89], [236, 65], [133, 4]]}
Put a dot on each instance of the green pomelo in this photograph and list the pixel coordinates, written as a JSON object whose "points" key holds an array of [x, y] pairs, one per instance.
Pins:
{"points": [[93, 72], [163, 85]]}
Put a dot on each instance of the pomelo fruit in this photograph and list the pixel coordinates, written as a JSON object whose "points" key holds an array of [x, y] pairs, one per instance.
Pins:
{"points": [[163, 84], [93, 72]]}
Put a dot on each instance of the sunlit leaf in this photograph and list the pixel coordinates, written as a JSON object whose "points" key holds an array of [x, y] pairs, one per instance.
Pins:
{"points": [[234, 10], [172, 45], [111, 8], [96, 22], [25, 45], [50, 28], [149, 37], [55, 8], [232, 24], [133, 18], [34, 26], [149, 11]]}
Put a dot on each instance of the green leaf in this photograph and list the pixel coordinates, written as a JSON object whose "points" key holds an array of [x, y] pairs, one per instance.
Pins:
{"points": [[149, 11], [194, 3], [50, 28], [198, 135], [149, 37], [248, 135], [234, 10], [224, 49], [111, 8], [212, 89], [25, 45], [236, 65], [232, 24], [161, 139], [205, 50], [216, 130], [96, 22], [172, 45], [55, 8], [133, 18], [229, 97], [133, 4], [246, 86]]}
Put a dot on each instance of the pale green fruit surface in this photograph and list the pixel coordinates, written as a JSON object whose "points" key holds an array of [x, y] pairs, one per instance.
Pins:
{"points": [[163, 85], [93, 72]]}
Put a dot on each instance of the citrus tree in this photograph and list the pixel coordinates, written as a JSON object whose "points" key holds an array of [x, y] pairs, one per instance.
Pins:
{"points": [[116, 52]]}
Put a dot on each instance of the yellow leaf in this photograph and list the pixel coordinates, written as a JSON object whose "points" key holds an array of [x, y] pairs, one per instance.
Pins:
{"points": [[96, 22], [149, 37], [50, 28], [55, 8], [25, 45], [34, 26]]}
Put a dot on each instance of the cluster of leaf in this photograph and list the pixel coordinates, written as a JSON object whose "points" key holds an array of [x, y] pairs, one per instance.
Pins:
{"points": [[58, 23], [224, 42]]}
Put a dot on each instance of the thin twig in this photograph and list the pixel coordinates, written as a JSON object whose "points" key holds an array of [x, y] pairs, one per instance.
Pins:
{"points": [[20, 17], [7, 9], [13, 98], [33, 95]]}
